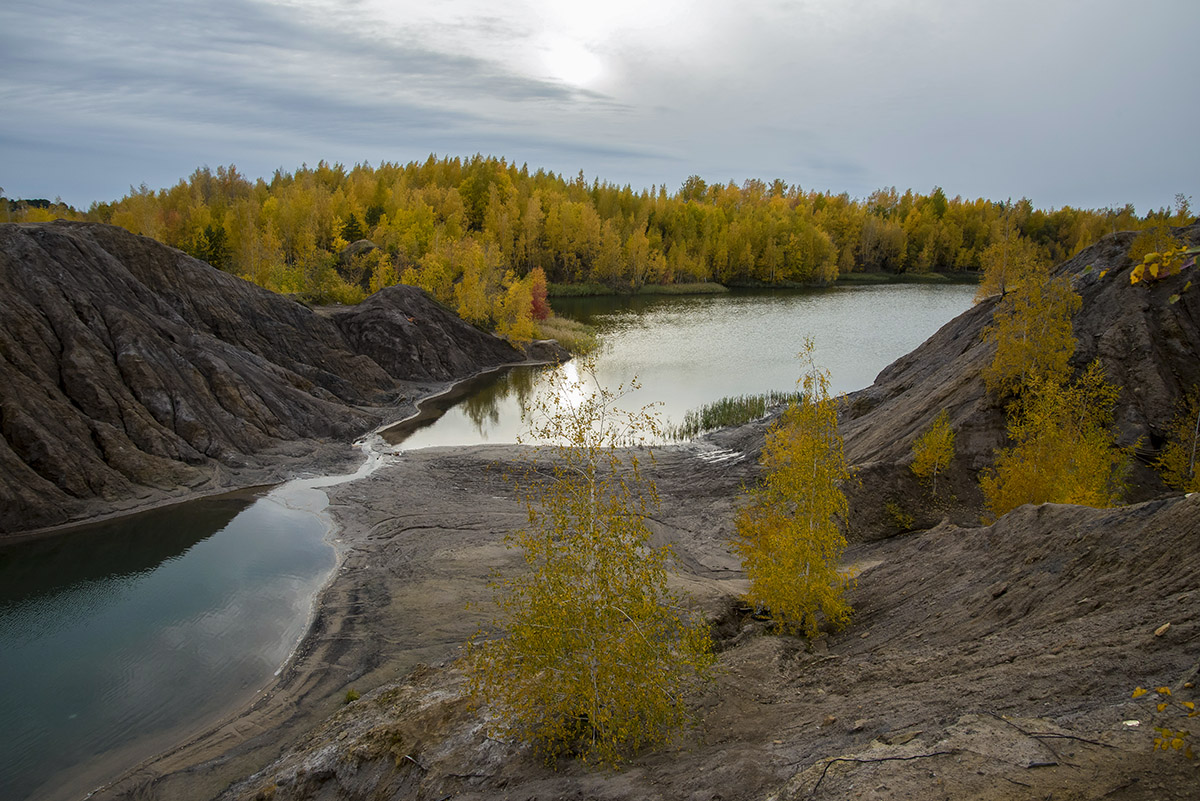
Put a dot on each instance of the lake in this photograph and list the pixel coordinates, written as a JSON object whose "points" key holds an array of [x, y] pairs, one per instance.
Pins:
{"points": [[125, 635], [690, 350], [116, 639]]}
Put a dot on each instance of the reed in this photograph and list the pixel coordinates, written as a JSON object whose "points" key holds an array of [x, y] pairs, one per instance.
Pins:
{"points": [[728, 411]]}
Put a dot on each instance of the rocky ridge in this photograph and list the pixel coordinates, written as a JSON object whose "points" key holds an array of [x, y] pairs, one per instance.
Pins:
{"points": [[133, 373]]}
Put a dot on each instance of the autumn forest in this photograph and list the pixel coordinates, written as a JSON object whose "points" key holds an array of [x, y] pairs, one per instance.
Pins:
{"points": [[484, 236]]}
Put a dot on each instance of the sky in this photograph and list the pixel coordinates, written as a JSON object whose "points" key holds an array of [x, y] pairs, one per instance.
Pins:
{"points": [[1087, 103]]}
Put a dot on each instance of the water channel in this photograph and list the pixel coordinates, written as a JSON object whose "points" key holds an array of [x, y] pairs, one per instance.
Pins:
{"points": [[118, 638]]}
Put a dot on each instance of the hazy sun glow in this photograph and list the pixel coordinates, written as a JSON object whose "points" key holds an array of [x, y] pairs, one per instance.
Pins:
{"points": [[572, 63]]}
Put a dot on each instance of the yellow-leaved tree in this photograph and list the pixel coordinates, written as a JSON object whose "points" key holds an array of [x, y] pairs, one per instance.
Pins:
{"points": [[787, 531], [1007, 265], [595, 654], [934, 449], [1064, 451], [513, 310], [1031, 327], [1177, 461]]}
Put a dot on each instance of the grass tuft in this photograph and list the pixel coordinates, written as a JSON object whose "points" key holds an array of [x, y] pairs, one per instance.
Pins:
{"points": [[728, 411], [571, 334]]}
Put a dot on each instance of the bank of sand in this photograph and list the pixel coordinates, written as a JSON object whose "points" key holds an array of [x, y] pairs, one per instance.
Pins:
{"points": [[991, 662], [418, 541]]}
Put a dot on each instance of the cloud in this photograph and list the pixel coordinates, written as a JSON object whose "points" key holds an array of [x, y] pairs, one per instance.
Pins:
{"points": [[1015, 98]]}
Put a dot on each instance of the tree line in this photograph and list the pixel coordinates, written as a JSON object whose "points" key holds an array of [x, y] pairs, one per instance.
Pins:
{"points": [[472, 230], [437, 215]]}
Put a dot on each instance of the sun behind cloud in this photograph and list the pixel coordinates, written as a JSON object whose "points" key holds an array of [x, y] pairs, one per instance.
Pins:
{"points": [[572, 63]]}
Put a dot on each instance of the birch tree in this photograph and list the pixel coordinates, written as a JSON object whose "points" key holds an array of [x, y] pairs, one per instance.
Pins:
{"points": [[594, 654], [787, 532]]}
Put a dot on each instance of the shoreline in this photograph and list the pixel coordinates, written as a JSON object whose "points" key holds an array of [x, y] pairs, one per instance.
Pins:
{"points": [[258, 478], [214, 725], [859, 278], [396, 601]]}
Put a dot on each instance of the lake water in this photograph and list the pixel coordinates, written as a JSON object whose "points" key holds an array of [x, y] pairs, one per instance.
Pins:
{"points": [[122, 636], [119, 638], [691, 350]]}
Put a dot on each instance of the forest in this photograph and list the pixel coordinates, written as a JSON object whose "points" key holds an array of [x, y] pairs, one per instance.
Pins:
{"points": [[484, 236]]}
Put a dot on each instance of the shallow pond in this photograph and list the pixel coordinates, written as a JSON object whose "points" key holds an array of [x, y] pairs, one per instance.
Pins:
{"points": [[124, 635]]}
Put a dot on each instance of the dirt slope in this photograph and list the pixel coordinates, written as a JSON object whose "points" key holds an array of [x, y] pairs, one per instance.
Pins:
{"points": [[986, 663], [131, 372], [1148, 345]]}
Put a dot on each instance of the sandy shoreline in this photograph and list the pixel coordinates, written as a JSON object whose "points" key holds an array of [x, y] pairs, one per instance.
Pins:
{"points": [[260, 707], [418, 539]]}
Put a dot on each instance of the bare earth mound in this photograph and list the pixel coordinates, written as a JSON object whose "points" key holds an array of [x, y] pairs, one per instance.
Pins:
{"points": [[131, 373], [1148, 344]]}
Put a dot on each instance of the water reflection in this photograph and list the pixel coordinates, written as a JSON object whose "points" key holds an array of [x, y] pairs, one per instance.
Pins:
{"points": [[689, 351], [125, 547], [117, 636], [482, 409]]}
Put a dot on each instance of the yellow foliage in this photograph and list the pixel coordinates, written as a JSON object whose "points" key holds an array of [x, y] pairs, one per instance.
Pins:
{"points": [[34, 214], [787, 532], [513, 311], [471, 292], [1152, 242], [1177, 462], [1167, 738], [934, 450], [600, 232], [383, 273], [433, 274], [597, 655], [1032, 331], [1156, 266], [1063, 451], [1008, 265]]}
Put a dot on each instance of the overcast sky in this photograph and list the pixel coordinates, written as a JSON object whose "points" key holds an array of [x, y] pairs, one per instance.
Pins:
{"points": [[1090, 103]]}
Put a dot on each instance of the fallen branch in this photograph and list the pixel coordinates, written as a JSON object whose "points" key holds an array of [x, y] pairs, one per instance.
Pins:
{"points": [[1057, 757], [863, 761]]}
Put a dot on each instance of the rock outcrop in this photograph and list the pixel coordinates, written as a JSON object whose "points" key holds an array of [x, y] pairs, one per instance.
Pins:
{"points": [[409, 336], [1149, 346], [132, 373]]}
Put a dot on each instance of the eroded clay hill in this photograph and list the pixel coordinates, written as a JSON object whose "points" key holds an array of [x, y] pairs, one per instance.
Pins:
{"points": [[1149, 346], [131, 372]]}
